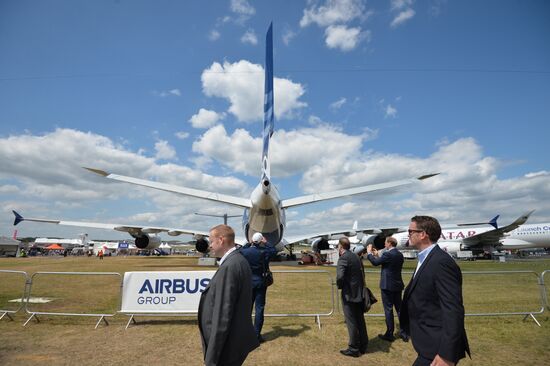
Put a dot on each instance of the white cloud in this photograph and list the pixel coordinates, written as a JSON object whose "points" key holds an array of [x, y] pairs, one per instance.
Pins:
{"points": [[390, 112], [288, 35], [182, 135], [333, 12], [164, 150], [338, 104], [401, 4], [242, 83], [249, 37], [402, 17], [167, 93], [214, 35], [344, 38], [242, 7], [240, 151], [206, 118]]}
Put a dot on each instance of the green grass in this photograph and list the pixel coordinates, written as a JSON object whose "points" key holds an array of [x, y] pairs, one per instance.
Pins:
{"points": [[63, 340]]}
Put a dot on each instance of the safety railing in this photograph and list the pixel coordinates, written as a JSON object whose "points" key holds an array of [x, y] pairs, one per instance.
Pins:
{"points": [[312, 290], [66, 296], [544, 289], [12, 285], [528, 300]]}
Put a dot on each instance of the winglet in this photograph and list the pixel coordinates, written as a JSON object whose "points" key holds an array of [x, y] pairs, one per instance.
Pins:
{"points": [[493, 221], [523, 218], [97, 171], [18, 218], [427, 176]]}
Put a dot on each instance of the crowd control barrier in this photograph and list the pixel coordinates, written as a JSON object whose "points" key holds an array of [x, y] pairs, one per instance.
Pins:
{"points": [[544, 289], [511, 293], [308, 290], [13, 284], [178, 294], [68, 290]]}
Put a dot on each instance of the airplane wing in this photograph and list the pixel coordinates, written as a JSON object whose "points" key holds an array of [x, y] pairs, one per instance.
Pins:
{"points": [[218, 197], [131, 229], [334, 234], [350, 191], [492, 237]]}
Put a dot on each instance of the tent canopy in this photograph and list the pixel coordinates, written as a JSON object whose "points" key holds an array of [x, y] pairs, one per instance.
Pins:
{"points": [[54, 247]]}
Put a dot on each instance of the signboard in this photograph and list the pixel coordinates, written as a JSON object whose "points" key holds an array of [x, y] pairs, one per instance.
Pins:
{"points": [[123, 245], [163, 292]]}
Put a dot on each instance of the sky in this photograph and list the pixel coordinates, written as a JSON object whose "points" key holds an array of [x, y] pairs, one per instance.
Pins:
{"points": [[365, 92]]}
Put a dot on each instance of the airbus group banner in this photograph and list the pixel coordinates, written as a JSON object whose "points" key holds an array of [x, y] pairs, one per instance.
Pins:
{"points": [[163, 292]]}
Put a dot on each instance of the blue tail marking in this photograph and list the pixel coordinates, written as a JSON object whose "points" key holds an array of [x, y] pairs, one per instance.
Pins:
{"points": [[18, 218]]}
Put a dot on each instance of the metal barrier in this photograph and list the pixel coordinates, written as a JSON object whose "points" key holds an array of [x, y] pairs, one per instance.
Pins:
{"points": [[506, 296], [102, 316], [277, 291], [316, 315], [8, 312], [544, 289]]}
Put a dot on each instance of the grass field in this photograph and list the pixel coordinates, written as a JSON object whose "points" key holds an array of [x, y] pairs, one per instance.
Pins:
{"points": [[64, 340]]}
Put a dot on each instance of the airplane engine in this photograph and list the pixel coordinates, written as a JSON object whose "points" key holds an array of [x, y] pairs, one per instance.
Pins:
{"points": [[450, 247], [146, 241], [201, 245], [320, 244]]}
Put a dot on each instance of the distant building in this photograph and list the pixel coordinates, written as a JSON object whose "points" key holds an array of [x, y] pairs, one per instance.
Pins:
{"points": [[9, 247]]}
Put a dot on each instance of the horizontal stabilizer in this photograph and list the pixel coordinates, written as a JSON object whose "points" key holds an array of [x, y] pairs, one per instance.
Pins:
{"points": [[350, 191], [212, 196]]}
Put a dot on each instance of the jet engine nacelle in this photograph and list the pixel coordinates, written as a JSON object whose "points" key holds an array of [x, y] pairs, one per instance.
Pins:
{"points": [[202, 244], [147, 241], [320, 244], [451, 247]]}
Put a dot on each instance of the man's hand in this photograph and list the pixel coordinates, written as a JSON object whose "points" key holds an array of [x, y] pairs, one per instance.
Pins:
{"points": [[369, 249], [440, 361]]}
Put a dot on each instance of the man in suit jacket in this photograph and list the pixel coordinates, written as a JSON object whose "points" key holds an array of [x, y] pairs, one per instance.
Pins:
{"points": [[391, 284], [227, 333], [350, 278], [258, 255], [432, 311]]}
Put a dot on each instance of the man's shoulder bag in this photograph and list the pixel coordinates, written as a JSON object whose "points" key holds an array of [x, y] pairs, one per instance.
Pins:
{"points": [[368, 299]]}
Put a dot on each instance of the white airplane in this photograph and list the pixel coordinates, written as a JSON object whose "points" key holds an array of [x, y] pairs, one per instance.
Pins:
{"points": [[486, 238], [264, 211]]}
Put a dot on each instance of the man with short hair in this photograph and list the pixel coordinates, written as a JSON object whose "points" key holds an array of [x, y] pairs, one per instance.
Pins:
{"points": [[226, 329], [350, 278], [258, 255], [432, 312], [391, 284]]}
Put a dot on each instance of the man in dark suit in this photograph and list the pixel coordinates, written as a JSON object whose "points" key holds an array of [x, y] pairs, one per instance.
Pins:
{"points": [[227, 333], [391, 284], [432, 311], [258, 255], [350, 278]]}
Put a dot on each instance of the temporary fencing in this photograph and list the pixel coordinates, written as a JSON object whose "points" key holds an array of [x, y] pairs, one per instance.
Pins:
{"points": [[13, 289], [510, 293], [69, 294], [295, 293]]}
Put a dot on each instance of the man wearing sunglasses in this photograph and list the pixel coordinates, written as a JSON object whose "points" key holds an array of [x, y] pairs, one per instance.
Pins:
{"points": [[432, 312]]}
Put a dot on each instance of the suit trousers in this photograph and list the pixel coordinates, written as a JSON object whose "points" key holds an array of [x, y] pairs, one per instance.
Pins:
{"points": [[391, 299], [258, 300], [357, 328]]}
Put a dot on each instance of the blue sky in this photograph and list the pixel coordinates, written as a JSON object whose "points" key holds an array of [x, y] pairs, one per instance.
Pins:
{"points": [[365, 91]]}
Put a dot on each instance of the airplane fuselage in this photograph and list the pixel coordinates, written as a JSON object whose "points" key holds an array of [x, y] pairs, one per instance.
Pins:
{"points": [[525, 236]]}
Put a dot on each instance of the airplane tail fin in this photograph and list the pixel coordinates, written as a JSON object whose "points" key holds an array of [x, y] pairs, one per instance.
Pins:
{"points": [[18, 218], [268, 103], [492, 222]]}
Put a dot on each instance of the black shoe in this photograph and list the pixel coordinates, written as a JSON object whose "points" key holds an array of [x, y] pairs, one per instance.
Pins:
{"points": [[404, 337], [261, 339], [363, 351], [389, 338], [348, 352]]}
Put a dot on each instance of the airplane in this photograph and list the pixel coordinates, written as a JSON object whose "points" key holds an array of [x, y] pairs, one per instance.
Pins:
{"points": [[480, 238], [264, 211]]}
